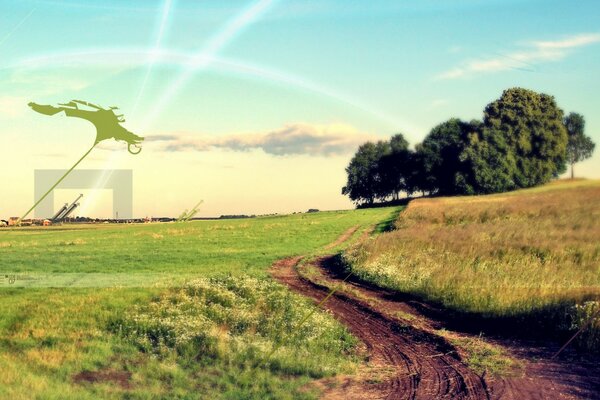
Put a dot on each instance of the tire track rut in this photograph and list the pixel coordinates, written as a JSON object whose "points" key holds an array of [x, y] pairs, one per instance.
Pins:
{"points": [[421, 365], [409, 360]]}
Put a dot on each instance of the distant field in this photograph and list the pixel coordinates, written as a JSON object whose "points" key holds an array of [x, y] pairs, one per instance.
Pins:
{"points": [[530, 253], [206, 339], [245, 245]]}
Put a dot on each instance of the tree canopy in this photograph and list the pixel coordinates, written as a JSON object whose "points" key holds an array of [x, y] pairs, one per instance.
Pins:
{"points": [[378, 170], [527, 127], [579, 146], [522, 141], [363, 175], [445, 169]]}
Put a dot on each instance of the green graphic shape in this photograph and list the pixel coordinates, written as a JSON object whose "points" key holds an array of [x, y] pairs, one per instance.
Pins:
{"points": [[187, 215], [107, 123], [56, 184]]}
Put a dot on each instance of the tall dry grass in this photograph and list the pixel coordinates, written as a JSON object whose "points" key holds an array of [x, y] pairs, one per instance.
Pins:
{"points": [[497, 255]]}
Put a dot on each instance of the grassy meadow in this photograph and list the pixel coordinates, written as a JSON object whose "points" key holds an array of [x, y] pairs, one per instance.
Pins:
{"points": [[531, 254], [204, 334]]}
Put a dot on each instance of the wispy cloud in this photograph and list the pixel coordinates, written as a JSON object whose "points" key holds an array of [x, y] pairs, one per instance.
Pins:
{"points": [[291, 139], [535, 52], [122, 59]]}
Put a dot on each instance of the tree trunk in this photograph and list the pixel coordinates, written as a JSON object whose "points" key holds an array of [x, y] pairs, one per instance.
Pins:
{"points": [[572, 170]]}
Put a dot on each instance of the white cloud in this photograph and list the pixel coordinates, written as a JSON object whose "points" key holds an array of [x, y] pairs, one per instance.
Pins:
{"points": [[291, 139], [570, 42], [452, 74], [537, 52]]}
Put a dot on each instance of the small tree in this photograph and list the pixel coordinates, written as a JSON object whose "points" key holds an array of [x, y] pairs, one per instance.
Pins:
{"points": [[364, 181], [445, 170], [395, 168], [579, 147]]}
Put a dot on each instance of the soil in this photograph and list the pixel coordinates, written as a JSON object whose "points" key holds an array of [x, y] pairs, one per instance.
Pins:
{"points": [[407, 359], [120, 378]]}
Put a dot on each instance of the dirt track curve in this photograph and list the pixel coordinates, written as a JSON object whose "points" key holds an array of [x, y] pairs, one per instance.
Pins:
{"points": [[408, 358], [420, 367]]}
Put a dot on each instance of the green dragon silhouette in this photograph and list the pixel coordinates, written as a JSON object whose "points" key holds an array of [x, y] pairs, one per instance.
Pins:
{"points": [[108, 126], [107, 123]]}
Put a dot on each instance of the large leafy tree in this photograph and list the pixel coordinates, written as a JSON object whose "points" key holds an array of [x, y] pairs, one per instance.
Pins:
{"points": [[579, 146], [528, 130]]}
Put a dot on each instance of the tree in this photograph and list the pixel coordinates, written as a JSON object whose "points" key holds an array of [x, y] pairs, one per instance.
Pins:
{"points": [[383, 183], [379, 170], [521, 142], [579, 146], [489, 160], [444, 168], [527, 129], [395, 168], [364, 181]]}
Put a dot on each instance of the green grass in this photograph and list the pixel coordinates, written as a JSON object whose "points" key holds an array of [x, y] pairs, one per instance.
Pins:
{"points": [[484, 357], [527, 256], [49, 336], [239, 320]]}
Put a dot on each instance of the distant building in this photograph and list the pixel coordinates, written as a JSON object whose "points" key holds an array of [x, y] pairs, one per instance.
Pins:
{"points": [[12, 221], [46, 222]]}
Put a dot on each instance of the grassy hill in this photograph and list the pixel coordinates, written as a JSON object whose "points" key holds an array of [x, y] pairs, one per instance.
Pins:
{"points": [[111, 329], [529, 255]]}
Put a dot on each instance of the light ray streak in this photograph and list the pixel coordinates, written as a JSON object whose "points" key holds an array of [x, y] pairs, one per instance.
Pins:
{"points": [[13, 30], [166, 11], [202, 59], [90, 5], [56, 184], [132, 56], [91, 198]]}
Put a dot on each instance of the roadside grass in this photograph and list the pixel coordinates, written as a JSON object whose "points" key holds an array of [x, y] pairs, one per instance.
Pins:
{"points": [[239, 320], [88, 343], [527, 256], [484, 357]]}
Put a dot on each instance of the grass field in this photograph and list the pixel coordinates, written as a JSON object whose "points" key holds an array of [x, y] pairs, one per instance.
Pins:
{"points": [[530, 255], [204, 338]]}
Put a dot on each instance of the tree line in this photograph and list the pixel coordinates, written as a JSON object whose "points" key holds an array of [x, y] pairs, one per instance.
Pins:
{"points": [[523, 140]]}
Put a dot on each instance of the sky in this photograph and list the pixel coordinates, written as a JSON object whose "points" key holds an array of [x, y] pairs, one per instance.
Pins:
{"points": [[257, 106]]}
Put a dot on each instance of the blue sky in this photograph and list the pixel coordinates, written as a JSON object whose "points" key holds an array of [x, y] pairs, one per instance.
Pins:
{"points": [[277, 93]]}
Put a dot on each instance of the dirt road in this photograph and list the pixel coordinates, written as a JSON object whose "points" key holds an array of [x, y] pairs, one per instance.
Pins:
{"points": [[408, 360]]}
